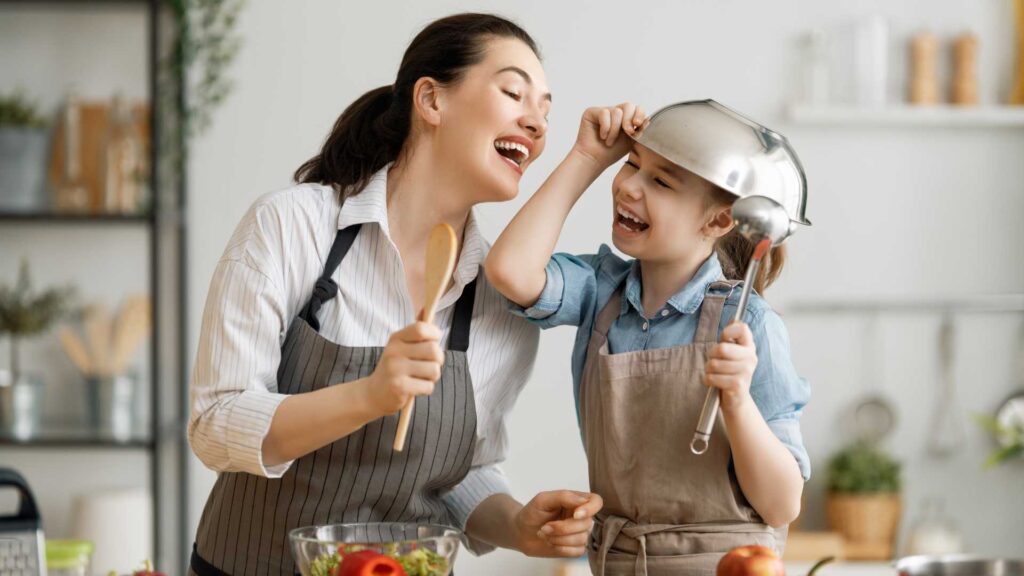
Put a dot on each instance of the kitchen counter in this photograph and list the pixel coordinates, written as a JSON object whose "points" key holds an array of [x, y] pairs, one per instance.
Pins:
{"points": [[580, 568]]}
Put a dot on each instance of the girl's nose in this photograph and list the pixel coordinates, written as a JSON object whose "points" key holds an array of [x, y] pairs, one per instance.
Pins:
{"points": [[632, 187]]}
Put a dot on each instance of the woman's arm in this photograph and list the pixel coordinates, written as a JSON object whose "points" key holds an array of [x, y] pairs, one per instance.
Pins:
{"points": [[551, 525], [766, 470], [515, 264]]}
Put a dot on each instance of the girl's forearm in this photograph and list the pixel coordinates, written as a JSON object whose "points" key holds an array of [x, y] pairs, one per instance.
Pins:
{"points": [[766, 469], [305, 422], [515, 264]]}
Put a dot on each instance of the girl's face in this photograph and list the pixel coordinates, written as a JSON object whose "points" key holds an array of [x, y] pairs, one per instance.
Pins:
{"points": [[660, 211], [494, 120]]}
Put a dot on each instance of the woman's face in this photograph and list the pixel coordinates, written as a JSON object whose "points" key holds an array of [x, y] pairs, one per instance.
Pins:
{"points": [[659, 209], [494, 120]]}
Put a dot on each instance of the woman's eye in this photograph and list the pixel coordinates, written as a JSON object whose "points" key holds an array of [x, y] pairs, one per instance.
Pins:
{"points": [[513, 95]]}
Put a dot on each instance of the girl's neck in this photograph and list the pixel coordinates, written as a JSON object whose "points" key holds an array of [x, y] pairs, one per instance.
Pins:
{"points": [[661, 280], [422, 193]]}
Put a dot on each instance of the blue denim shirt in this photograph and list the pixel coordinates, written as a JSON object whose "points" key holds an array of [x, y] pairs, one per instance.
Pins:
{"points": [[578, 287]]}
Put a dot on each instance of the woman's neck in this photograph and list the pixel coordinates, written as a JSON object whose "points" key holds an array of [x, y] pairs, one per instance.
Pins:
{"points": [[661, 280], [421, 194]]}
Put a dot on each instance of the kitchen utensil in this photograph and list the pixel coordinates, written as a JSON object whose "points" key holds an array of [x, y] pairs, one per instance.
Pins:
{"points": [[132, 326], [959, 565], [315, 548], [441, 254], [75, 349], [111, 402], [946, 435], [98, 330], [21, 534], [873, 417], [764, 222], [731, 151]]}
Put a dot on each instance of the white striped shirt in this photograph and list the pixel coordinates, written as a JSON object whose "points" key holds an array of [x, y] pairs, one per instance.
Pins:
{"points": [[266, 276]]}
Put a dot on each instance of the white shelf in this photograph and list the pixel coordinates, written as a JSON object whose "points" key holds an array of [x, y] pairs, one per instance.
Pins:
{"points": [[900, 116]]}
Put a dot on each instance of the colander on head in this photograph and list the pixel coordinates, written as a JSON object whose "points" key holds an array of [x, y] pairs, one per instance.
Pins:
{"points": [[731, 151]]}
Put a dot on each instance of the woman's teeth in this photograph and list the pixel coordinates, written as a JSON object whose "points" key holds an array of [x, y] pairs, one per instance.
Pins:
{"points": [[514, 151], [630, 222]]}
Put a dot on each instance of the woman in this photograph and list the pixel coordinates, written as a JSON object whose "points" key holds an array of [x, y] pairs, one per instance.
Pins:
{"points": [[305, 357]]}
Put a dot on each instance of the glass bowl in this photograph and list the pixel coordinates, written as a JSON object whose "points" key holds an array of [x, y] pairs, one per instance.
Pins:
{"points": [[421, 549]]}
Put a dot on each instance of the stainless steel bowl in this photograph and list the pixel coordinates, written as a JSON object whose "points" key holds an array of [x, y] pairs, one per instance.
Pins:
{"points": [[959, 565], [731, 151]]}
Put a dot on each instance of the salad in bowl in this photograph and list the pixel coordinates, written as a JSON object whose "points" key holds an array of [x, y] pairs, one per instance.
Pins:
{"points": [[395, 549]]}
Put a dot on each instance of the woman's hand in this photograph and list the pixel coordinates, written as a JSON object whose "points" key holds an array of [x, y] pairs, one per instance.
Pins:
{"points": [[409, 366], [731, 364], [557, 524], [600, 137]]}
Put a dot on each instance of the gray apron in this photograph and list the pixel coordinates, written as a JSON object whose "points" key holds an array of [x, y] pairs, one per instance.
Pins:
{"points": [[359, 478], [666, 511]]}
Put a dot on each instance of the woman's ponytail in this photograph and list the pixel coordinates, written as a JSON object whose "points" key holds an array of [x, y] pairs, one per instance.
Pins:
{"points": [[366, 137]]}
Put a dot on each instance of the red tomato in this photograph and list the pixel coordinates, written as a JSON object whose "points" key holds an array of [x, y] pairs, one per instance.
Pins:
{"points": [[370, 563]]}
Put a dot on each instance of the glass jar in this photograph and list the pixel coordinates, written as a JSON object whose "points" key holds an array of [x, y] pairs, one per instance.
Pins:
{"points": [[69, 557]]}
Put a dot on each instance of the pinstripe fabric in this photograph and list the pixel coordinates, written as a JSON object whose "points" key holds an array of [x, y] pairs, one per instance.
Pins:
{"points": [[244, 527], [265, 277]]}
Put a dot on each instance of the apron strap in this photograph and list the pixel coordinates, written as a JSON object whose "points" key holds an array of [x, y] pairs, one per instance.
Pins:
{"points": [[325, 288], [610, 312], [458, 337], [711, 310]]}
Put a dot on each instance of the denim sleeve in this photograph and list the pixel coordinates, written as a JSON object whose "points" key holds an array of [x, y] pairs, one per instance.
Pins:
{"points": [[569, 291], [778, 391]]}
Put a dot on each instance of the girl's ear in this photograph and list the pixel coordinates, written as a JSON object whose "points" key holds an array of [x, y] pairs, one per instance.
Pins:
{"points": [[719, 222], [426, 100]]}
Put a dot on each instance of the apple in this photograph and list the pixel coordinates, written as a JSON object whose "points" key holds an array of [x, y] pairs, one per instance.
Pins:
{"points": [[750, 561]]}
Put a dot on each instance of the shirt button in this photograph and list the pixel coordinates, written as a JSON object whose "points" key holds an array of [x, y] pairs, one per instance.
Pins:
{"points": [[644, 327], [664, 312]]}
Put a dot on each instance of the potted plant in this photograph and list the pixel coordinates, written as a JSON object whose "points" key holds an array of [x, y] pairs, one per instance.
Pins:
{"points": [[863, 502], [24, 313], [23, 139]]}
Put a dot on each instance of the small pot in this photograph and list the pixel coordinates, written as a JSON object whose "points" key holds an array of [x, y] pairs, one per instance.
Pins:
{"points": [[23, 156], [868, 523], [111, 405], [21, 405]]}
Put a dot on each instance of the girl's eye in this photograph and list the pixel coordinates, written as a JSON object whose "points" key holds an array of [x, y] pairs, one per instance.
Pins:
{"points": [[632, 165], [513, 95], [662, 183]]}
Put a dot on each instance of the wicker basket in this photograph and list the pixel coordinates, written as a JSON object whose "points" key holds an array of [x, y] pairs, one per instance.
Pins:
{"points": [[868, 523]]}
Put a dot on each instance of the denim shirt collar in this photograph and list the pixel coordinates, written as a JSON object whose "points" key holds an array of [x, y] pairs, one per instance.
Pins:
{"points": [[686, 301]]}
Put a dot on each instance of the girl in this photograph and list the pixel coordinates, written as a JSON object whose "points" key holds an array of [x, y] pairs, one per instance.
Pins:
{"points": [[652, 330], [306, 354]]}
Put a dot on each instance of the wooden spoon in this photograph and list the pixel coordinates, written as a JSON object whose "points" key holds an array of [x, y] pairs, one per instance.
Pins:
{"points": [[441, 252]]}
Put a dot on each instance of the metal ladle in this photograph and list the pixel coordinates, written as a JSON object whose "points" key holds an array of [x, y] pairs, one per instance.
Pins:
{"points": [[766, 223]]}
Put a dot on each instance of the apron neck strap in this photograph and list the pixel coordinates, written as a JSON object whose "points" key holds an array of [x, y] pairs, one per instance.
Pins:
{"points": [[610, 312], [325, 288], [458, 337], [711, 310]]}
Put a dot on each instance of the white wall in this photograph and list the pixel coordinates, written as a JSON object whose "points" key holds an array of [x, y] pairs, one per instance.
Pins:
{"points": [[897, 212], [914, 213]]}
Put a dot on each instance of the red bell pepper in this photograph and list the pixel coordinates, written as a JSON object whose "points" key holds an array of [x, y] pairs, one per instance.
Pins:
{"points": [[369, 563]]}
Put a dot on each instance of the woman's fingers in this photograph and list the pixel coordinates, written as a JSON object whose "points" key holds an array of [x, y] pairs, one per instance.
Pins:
{"points": [[604, 123], [423, 370], [429, 351], [562, 528], [417, 332], [578, 539]]}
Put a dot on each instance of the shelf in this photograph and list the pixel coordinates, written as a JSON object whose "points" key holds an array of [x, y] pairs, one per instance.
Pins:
{"points": [[60, 218], [984, 304], [75, 438], [905, 116]]}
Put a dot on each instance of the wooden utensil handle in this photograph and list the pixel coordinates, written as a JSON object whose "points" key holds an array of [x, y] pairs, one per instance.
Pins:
{"points": [[406, 415]]}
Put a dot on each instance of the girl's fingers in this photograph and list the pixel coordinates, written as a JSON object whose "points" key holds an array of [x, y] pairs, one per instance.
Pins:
{"points": [[730, 351], [724, 367], [639, 118], [738, 333], [722, 382], [604, 123], [628, 110], [616, 126]]}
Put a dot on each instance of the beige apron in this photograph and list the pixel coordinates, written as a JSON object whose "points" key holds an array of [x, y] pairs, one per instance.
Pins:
{"points": [[666, 510]]}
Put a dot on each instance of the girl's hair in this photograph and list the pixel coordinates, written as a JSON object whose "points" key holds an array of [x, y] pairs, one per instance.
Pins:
{"points": [[734, 251], [372, 131]]}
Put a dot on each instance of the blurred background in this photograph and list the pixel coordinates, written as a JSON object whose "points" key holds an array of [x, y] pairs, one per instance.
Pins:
{"points": [[134, 134]]}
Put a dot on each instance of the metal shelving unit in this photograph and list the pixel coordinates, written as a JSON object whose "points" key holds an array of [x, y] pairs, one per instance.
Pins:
{"points": [[164, 442]]}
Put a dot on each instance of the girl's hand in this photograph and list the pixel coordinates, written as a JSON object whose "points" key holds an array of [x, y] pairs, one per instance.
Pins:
{"points": [[557, 524], [730, 366], [600, 137], [409, 366]]}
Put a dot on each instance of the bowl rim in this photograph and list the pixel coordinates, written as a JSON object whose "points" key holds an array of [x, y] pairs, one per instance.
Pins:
{"points": [[449, 532]]}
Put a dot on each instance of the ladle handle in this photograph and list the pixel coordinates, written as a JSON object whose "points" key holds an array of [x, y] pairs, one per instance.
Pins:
{"points": [[709, 412]]}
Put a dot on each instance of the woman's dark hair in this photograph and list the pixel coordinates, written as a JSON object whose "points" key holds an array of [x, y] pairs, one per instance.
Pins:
{"points": [[371, 132]]}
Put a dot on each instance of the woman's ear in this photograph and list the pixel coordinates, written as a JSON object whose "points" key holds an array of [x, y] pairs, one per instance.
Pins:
{"points": [[720, 222], [426, 96]]}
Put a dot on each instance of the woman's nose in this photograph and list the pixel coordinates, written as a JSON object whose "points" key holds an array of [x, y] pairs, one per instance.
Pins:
{"points": [[534, 123]]}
